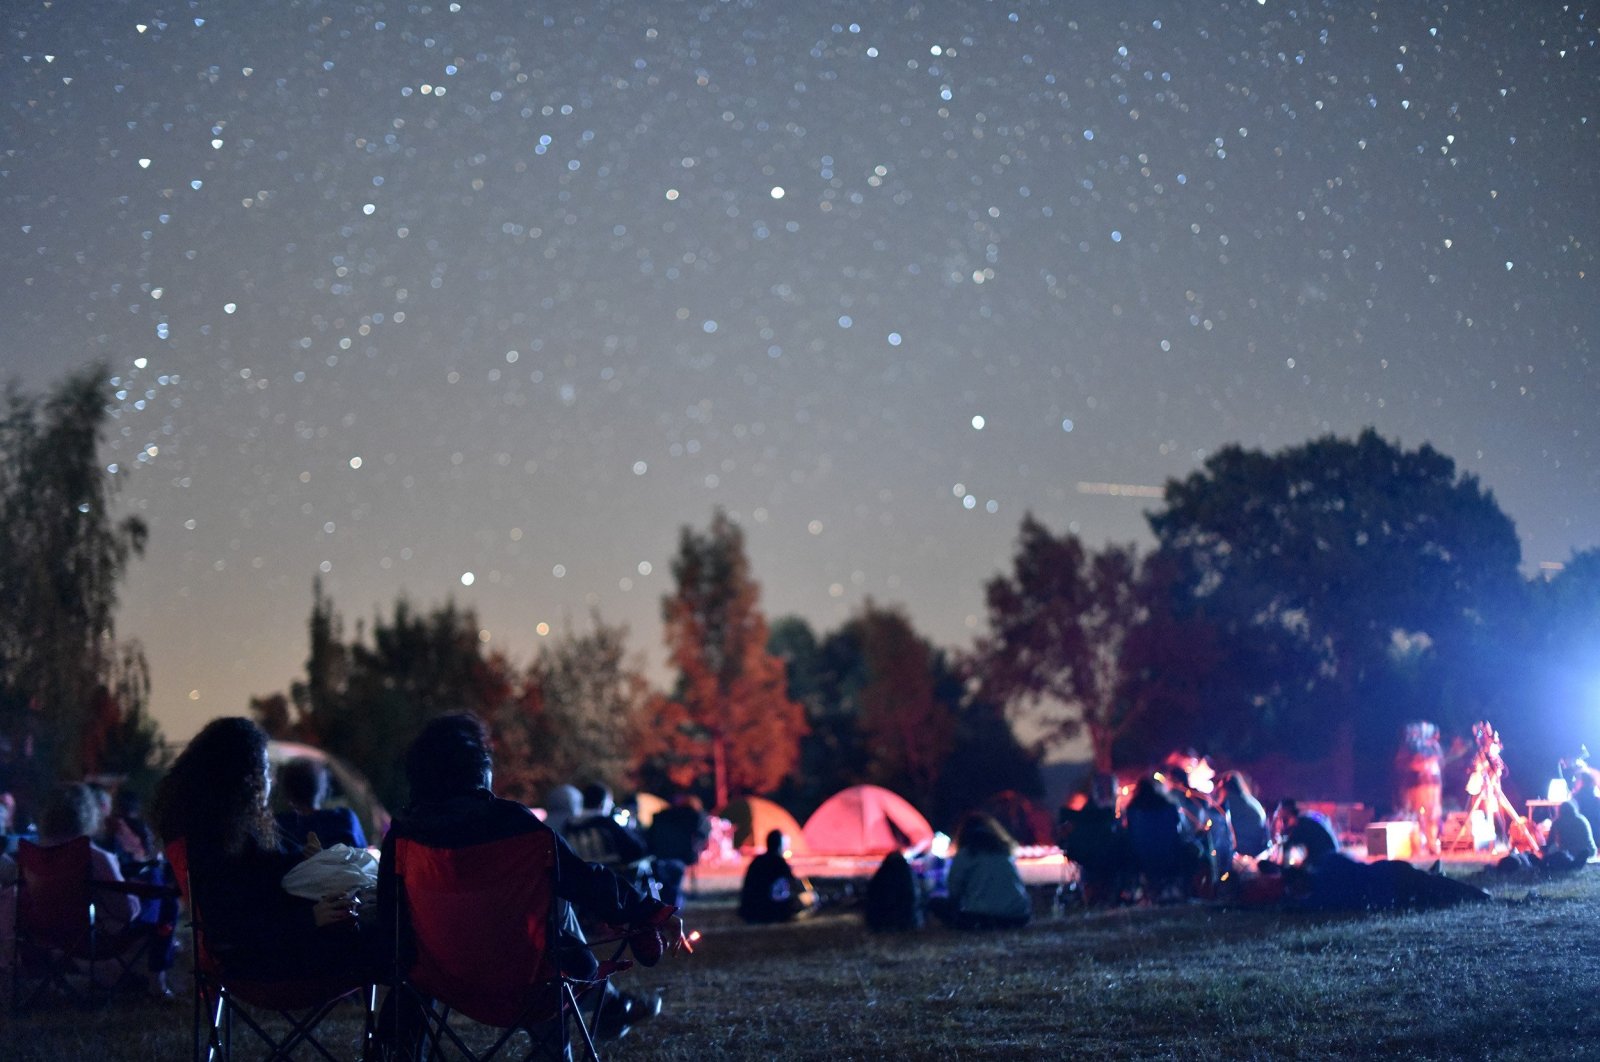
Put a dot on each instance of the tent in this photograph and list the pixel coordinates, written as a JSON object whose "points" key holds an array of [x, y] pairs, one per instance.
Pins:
{"points": [[865, 820], [754, 817], [645, 806]]}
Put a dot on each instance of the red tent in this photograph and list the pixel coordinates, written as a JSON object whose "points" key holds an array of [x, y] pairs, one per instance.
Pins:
{"points": [[865, 820]]}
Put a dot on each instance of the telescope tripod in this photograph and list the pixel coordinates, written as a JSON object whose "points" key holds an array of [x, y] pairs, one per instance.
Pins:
{"points": [[1491, 800]]}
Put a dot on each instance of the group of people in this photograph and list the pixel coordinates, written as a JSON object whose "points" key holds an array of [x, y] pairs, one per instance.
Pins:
{"points": [[216, 802], [122, 848], [979, 888], [1170, 841], [656, 858]]}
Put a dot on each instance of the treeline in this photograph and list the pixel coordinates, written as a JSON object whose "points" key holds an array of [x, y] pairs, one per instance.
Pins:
{"points": [[780, 712], [1301, 606], [1297, 607]]}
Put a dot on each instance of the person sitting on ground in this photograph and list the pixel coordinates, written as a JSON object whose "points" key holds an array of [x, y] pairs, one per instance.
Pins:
{"points": [[1571, 842], [894, 900], [1091, 838], [304, 784], [215, 800], [453, 805], [771, 891], [1245, 813], [599, 836], [1304, 830], [1164, 854], [984, 889], [1585, 789]]}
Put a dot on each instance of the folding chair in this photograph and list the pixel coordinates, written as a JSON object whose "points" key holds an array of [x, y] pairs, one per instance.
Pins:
{"points": [[484, 924], [64, 945], [221, 1001]]}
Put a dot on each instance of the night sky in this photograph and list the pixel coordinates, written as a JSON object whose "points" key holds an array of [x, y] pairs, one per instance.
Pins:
{"points": [[488, 299]]}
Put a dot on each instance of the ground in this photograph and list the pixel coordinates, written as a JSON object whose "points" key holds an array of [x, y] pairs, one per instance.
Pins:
{"points": [[1513, 978]]}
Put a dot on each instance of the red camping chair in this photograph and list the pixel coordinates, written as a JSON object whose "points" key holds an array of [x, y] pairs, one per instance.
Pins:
{"points": [[63, 946], [220, 1000], [484, 920]]}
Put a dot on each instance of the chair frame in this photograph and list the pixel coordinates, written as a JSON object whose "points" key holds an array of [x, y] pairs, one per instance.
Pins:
{"points": [[435, 1014], [61, 958], [221, 1002]]}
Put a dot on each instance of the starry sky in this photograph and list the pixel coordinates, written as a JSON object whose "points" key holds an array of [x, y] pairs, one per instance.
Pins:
{"points": [[488, 299]]}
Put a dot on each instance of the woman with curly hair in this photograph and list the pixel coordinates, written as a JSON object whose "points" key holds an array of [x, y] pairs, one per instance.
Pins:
{"points": [[215, 800]]}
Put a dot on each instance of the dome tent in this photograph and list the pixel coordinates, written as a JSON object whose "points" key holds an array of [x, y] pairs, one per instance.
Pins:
{"points": [[865, 820], [755, 817]]}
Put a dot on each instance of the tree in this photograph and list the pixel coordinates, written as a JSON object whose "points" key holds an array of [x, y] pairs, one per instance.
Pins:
{"points": [[825, 678], [1347, 557], [367, 701], [736, 710], [907, 731], [578, 716], [62, 558], [122, 740], [985, 757], [1057, 625]]}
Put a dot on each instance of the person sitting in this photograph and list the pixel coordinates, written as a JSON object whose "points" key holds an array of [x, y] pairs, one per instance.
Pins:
{"points": [[984, 889], [304, 783], [74, 811], [215, 800], [680, 831], [771, 891], [1306, 831], [1154, 823], [133, 843], [561, 805], [1090, 837], [598, 836], [1245, 813], [894, 900], [1571, 842], [453, 805]]}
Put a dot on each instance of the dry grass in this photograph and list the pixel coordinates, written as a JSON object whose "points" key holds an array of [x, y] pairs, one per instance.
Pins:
{"points": [[1511, 979]]}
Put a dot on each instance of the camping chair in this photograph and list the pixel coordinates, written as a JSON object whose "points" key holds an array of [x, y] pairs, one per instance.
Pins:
{"points": [[484, 921], [221, 1001], [63, 945]]}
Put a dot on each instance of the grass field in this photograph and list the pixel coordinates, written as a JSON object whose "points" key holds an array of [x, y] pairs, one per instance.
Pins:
{"points": [[1512, 979]]}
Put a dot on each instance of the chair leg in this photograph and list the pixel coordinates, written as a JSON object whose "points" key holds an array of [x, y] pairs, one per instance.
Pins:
{"points": [[577, 1016]]}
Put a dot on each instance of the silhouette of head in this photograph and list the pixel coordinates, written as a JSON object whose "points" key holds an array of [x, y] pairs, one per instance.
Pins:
{"points": [[449, 758], [304, 782]]}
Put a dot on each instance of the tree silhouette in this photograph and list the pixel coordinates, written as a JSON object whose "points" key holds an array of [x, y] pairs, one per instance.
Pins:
{"points": [[1057, 626], [577, 717], [907, 730], [737, 718], [1348, 559], [62, 558]]}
